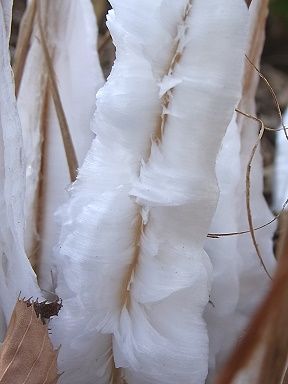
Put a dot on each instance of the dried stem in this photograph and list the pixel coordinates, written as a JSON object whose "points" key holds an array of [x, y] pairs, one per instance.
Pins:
{"points": [[248, 187], [255, 331], [44, 121], [272, 314], [276, 344], [23, 44], [165, 100], [104, 41], [67, 140]]}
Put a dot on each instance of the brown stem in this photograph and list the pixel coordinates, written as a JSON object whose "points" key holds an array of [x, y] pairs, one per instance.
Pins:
{"points": [[67, 139], [276, 345], [248, 202], [255, 332], [139, 226], [23, 44]]}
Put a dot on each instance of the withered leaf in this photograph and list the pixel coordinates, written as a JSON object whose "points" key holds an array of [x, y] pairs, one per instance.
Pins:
{"points": [[27, 355], [44, 309]]}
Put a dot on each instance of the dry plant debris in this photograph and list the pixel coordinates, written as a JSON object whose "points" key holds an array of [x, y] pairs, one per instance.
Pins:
{"points": [[27, 355]]}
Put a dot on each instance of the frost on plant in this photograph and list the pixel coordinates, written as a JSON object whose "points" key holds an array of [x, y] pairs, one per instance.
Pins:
{"points": [[78, 74], [147, 298], [16, 274], [135, 239]]}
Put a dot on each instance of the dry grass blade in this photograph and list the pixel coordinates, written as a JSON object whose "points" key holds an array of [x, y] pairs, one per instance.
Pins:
{"points": [[248, 187], [27, 355], [23, 44], [67, 140], [216, 235]]}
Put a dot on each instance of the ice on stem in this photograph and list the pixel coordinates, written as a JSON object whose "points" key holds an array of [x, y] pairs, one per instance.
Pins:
{"points": [[71, 34], [239, 280], [16, 274], [163, 336], [223, 251], [254, 282], [131, 264]]}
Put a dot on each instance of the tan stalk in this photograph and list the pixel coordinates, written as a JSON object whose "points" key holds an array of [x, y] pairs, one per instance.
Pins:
{"points": [[159, 130], [249, 89], [256, 44], [276, 343], [248, 95], [248, 186], [23, 44], [100, 8], [67, 139], [103, 41], [44, 121], [116, 375]]}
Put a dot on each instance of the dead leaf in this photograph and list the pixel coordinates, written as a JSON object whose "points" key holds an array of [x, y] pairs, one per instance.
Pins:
{"points": [[27, 355], [44, 309]]}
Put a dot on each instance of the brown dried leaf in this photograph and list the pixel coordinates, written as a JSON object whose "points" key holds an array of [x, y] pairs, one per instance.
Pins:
{"points": [[27, 355]]}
